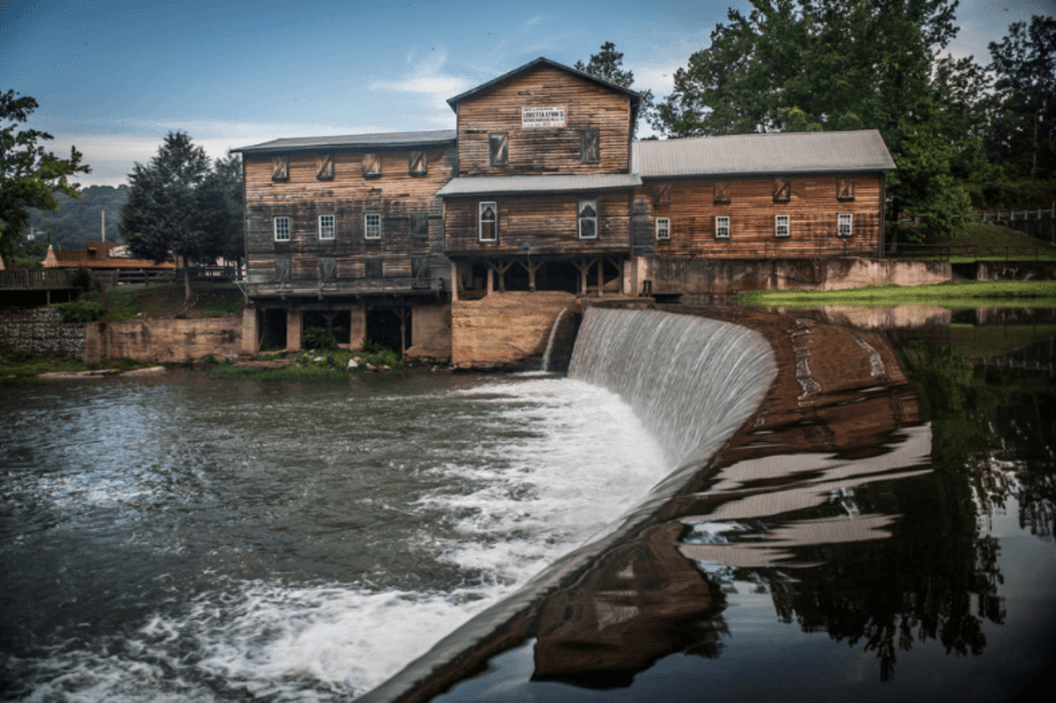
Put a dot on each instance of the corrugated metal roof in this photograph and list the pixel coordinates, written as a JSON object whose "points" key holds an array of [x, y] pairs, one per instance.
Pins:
{"points": [[539, 184], [780, 153], [635, 96], [381, 139]]}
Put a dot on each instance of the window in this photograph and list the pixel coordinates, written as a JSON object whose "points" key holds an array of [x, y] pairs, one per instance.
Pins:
{"points": [[722, 227], [782, 228], [845, 189], [327, 227], [662, 194], [663, 228], [372, 268], [327, 268], [282, 229], [722, 192], [280, 168], [782, 190], [420, 225], [489, 222], [498, 149], [589, 147], [844, 224], [417, 163], [419, 267], [588, 219], [372, 225], [282, 270], [325, 168], [371, 165]]}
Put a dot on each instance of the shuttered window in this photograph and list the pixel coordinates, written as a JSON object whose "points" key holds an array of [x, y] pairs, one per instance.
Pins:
{"points": [[782, 226], [722, 192], [844, 224], [372, 268], [282, 270], [327, 268], [371, 165], [662, 194], [282, 229], [498, 149], [589, 146], [327, 227], [280, 168], [325, 168], [782, 190], [663, 228], [588, 219], [722, 227], [372, 225], [417, 163], [489, 222], [420, 225], [845, 189]]}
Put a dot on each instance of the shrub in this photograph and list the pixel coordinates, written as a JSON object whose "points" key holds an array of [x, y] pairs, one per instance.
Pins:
{"points": [[319, 338], [80, 311]]}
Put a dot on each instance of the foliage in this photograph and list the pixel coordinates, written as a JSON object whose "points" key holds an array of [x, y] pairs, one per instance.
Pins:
{"points": [[608, 65], [319, 338], [29, 176], [80, 311], [177, 205], [330, 365], [77, 221]]}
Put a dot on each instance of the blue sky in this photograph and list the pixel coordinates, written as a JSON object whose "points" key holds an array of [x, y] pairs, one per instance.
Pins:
{"points": [[114, 77]]}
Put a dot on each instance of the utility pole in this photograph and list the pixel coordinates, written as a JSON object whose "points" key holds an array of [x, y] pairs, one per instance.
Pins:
{"points": [[102, 222]]}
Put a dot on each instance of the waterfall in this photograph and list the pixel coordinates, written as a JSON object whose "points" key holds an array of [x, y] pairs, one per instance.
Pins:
{"points": [[691, 380], [550, 342]]}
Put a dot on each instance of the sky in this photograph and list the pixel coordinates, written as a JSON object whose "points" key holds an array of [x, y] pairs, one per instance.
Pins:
{"points": [[113, 78]]}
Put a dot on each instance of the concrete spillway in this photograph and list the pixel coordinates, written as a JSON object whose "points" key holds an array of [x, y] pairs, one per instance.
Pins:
{"points": [[693, 382]]}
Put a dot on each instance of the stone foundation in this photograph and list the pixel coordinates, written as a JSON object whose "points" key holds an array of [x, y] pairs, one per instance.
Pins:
{"points": [[163, 340], [38, 331], [431, 332], [1015, 271], [504, 329]]}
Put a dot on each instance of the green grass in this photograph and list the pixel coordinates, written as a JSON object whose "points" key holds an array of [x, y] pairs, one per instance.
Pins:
{"points": [[17, 368], [952, 294], [989, 242]]}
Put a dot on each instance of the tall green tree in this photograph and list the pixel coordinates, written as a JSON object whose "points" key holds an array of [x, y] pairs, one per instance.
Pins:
{"points": [[164, 214], [608, 65], [220, 200], [30, 176]]}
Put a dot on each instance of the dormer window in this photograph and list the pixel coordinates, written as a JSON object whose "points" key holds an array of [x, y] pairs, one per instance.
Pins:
{"points": [[371, 165], [417, 163], [498, 149], [589, 147], [280, 168]]}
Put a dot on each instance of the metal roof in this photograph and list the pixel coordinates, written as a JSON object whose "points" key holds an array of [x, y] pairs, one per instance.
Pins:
{"points": [[635, 96], [381, 139], [780, 153], [539, 184]]}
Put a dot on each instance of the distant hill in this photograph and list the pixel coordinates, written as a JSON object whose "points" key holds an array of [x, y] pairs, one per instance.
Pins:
{"points": [[77, 220]]}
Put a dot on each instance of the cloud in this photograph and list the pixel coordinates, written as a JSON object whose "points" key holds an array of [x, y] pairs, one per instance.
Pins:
{"points": [[427, 80]]}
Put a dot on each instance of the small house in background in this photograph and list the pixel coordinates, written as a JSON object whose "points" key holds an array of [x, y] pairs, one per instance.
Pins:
{"points": [[469, 243], [113, 258]]}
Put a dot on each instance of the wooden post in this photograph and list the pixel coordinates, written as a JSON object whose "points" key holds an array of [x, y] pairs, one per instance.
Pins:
{"points": [[491, 280], [601, 276], [455, 281], [403, 313], [532, 270]]}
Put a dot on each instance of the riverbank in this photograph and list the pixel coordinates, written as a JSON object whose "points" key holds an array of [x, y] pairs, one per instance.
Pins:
{"points": [[952, 294]]}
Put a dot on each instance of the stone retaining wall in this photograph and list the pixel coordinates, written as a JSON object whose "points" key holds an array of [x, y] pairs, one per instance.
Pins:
{"points": [[163, 340], [38, 331], [1016, 271], [504, 329]]}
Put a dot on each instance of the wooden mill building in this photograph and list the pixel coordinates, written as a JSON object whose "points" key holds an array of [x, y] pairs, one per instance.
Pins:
{"points": [[541, 188]]}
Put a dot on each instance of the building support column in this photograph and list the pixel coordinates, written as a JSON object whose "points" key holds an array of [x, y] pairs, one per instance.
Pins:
{"points": [[250, 330], [456, 281], [491, 280], [601, 276], [294, 323], [357, 326]]}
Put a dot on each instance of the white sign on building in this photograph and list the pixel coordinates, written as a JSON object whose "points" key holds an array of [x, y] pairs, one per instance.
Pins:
{"points": [[543, 116]]}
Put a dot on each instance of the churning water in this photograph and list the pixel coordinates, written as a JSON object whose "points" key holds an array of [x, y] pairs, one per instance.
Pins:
{"points": [[205, 540]]}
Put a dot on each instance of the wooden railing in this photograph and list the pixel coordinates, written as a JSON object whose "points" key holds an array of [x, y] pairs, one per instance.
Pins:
{"points": [[42, 279], [944, 252]]}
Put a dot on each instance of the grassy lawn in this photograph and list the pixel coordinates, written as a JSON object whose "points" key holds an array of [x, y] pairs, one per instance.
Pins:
{"points": [[953, 294], [166, 301], [989, 242], [17, 368]]}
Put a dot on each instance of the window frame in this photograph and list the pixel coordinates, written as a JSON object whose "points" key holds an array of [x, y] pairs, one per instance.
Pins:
{"points": [[280, 168], [778, 224], [368, 228], [371, 165], [421, 159], [721, 193], [503, 149], [580, 219], [845, 189], [480, 220], [840, 217], [782, 190], [663, 224], [288, 228], [719, 226], [588, 138], [332, 227], [324, 170]]}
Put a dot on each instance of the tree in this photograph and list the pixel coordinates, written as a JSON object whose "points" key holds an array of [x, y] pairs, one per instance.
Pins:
{"points": [[1024, 64], [29, 176], [607, 64], [164, 213], [220, 198]]}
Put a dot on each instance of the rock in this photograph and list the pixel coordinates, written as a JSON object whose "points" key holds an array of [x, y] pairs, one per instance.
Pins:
{"points": [[386, 367], [318, 359], [371, 367], [352, 365]]}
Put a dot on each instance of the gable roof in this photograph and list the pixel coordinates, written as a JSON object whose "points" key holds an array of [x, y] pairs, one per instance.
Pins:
{"points": [[379, 139], [99, 255], [777, 153], [635, 96]]}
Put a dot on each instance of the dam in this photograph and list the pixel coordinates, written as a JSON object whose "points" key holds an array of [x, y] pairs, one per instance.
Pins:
{"points": [[722, 501]]}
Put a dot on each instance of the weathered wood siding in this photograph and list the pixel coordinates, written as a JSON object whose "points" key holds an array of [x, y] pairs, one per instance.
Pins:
{"points": [[547, 222], [396, 195], [544, 150], [812, 208]]}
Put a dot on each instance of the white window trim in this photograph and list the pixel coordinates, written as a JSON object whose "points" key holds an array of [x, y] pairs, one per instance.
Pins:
{"points": [[593, 202], [480, 220], [275, 226], [367, 227], [841, 219], [722, 222], [327, 232], [778, 224], [663, 228]]}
